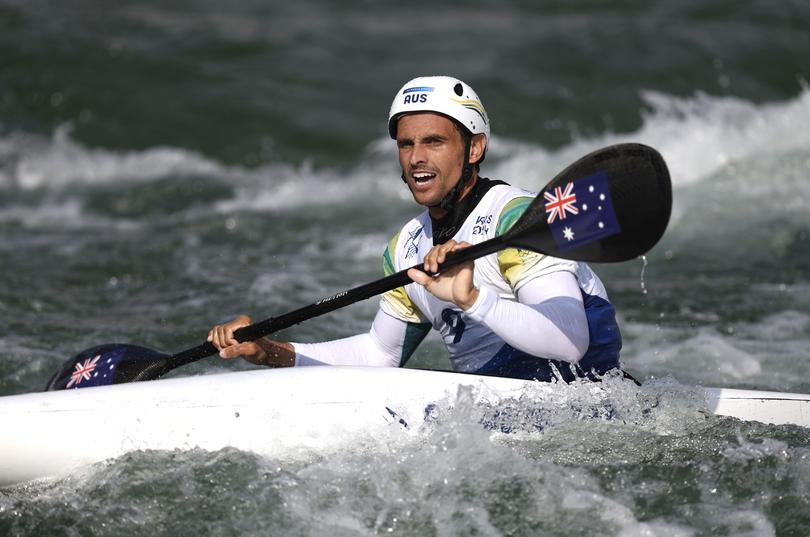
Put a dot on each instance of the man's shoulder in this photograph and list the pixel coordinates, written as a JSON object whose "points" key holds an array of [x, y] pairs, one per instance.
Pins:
{"points": [[504, 194], [403, 244], [508, 204], [415, 227]]}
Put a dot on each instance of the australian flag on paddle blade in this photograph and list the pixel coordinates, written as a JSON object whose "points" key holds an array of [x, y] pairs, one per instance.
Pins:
{"points": [[97, 369], [581, 211]]}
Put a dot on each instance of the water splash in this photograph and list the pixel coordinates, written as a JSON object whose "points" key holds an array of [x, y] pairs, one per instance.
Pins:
{"points": [[455, 477]]}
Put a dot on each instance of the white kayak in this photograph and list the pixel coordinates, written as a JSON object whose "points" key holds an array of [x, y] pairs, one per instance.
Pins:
{"points": [[282, 413]]}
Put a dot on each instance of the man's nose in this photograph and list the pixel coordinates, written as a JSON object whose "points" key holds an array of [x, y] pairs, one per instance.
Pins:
{"points": [[418, 155]]}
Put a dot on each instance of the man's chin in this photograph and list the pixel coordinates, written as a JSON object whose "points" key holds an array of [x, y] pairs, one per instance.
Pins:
{"points": [[423, 198], [425, 201]]}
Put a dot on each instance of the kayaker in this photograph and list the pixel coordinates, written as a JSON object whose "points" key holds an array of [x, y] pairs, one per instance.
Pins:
{"points": [[514, 314]]}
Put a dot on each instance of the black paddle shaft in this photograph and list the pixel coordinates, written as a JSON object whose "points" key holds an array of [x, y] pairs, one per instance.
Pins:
{"points": [[334, 302], [632, 200]]}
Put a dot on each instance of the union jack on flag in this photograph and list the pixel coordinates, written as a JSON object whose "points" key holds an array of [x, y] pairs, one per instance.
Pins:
{"points": [[560, 201], [592, 218], [83, 371]]}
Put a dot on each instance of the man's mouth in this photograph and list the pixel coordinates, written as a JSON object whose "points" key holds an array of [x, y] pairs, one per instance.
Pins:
{"points": [[422, 177]]}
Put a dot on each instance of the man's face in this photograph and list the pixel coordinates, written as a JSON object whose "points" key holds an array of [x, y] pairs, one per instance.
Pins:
{"points": [[431, 153]]}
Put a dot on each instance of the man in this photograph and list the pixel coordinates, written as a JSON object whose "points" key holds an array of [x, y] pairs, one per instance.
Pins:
{"points": [[515, 314]]}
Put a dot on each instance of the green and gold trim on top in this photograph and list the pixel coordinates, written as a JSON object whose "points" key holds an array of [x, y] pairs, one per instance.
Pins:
{"points": [[388, 257], [511, 213], [475, 106], [514, 262], [398, 299]]}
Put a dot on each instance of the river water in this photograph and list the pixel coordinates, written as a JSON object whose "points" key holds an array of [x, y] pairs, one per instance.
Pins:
{"points": [[166, 165]]}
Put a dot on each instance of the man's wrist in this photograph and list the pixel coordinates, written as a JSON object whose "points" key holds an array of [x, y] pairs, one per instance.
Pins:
{"points": [[485, 301], [470, 301], [276, 354]]}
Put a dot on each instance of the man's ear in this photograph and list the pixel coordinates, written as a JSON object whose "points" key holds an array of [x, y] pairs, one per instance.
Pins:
{"points": [[478, 144]]}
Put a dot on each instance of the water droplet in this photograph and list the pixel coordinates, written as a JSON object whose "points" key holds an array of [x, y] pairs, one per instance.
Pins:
{"points": [[643, 268]]}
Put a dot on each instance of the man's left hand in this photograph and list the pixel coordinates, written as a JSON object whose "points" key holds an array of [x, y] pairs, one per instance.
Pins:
{"points": [[454, 284]]}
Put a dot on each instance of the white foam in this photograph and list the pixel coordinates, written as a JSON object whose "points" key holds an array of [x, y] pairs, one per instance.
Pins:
{"points": [[703, 355], [700, 137], [782, 326], [283, 186], [33, 162], [65, 214], [756, 451], [697, 136]]}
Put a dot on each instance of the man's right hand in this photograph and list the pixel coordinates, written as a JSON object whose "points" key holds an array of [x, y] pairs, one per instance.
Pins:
{"points": [[270, 353]]}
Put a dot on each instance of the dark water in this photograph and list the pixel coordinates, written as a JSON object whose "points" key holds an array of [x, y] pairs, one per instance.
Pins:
{"points": [[165, 165]]}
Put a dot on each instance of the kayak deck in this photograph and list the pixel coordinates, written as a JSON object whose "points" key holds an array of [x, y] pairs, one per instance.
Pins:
{"points": [[294, 411]]}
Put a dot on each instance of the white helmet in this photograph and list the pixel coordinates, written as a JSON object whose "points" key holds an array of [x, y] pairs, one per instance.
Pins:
{"points": [[442, 94]]}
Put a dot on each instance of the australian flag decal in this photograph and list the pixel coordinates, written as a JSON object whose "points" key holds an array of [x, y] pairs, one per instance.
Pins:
{"points": [[581, 211], [98, 370]]}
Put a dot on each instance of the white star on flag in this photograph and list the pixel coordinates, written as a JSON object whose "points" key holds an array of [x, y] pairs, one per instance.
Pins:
{"points": [[568, 233]]}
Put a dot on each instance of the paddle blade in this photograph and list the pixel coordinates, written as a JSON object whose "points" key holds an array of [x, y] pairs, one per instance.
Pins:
{"points": [[108, 364], [611, 205]]}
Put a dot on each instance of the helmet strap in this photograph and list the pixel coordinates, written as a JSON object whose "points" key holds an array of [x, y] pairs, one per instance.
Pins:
{"points": [[451, 199]]}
